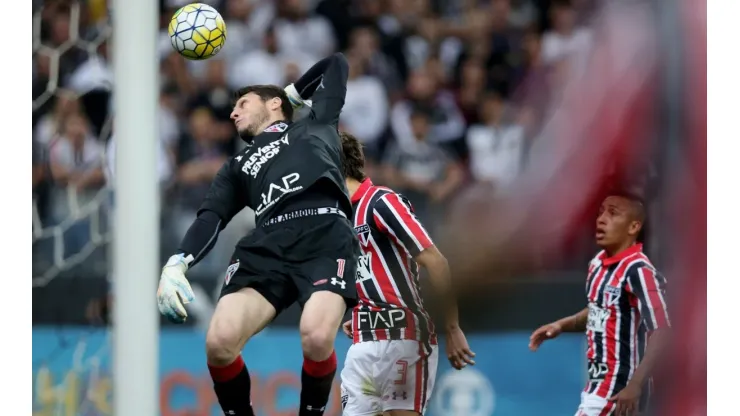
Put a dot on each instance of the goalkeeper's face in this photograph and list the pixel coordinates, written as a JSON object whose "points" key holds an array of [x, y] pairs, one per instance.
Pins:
{"points": [[250, 115]]}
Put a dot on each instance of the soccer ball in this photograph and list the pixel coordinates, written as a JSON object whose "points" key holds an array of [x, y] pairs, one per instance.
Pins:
{"points": [[197, 31]]}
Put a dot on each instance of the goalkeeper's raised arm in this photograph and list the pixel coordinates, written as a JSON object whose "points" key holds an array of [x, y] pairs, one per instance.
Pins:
{"points": [[325, 84], [220, 205]]}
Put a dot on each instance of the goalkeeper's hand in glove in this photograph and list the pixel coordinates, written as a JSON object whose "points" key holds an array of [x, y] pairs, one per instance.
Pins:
{"points": [[174, 291], [295, 99]]}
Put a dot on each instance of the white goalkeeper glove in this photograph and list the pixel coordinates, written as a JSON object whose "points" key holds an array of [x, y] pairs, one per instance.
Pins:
{"points": [[295, 99], [174, 291]]}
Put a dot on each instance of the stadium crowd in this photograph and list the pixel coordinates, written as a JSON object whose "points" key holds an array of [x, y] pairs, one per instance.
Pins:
{"points": [[435, 94]]}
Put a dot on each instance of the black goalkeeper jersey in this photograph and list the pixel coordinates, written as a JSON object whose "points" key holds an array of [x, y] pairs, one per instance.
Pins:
{"points": [[287, 159]]}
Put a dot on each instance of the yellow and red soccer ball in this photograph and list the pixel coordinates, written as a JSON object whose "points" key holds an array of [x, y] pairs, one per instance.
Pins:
{"points": [[197, 31]]}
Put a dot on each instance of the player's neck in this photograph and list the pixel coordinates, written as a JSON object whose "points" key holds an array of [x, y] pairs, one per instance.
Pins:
{"points": [[352, 186], [616, 249], [270, 122]]}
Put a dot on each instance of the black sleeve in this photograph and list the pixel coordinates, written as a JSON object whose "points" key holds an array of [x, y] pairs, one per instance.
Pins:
{"points": [[224, 197], [326, 84], [308, 82], [201, 236]]}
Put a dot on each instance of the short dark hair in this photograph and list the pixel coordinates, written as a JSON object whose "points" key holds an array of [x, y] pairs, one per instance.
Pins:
{"points": [[636, 200], [353, 158], [266, 92]]}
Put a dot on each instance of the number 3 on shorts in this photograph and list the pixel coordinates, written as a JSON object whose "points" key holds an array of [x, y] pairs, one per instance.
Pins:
{"points": [[403, 367]]}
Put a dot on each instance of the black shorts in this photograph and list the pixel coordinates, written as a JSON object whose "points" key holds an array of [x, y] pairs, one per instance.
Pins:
{"points": [[288, 261]]}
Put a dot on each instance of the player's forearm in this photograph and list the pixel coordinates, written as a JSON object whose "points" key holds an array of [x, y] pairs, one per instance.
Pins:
{"points": [[653, 352], [575, 323], [201, 236], [308, 82], [441, 278]]}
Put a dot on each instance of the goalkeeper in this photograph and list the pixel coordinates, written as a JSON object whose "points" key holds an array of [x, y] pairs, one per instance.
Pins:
{"points": [[302, 249]]}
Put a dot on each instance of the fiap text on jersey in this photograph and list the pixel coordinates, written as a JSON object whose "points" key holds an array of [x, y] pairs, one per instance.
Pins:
{"points": [[262, 155]]}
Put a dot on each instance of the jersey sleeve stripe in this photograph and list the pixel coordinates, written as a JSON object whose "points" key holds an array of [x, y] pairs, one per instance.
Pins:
{"points": [[408, 221], [362, 207], [653, 298]]}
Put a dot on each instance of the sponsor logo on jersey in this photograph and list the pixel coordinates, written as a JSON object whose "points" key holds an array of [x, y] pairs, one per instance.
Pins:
{"points": [[597, 371], [276, 191], [258, 156], [364, 269], [388, 319], [597, 318]]}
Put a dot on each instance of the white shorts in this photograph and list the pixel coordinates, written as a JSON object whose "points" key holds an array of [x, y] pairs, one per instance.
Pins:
{"points": [[379, 376], [593, 405]]}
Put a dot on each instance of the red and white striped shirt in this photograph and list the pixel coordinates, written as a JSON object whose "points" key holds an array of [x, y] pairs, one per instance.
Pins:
{"points": [[626, 301], [390, 303]]}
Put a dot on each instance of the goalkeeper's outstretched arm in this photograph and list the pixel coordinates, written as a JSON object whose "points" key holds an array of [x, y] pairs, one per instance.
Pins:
{"points": [[222, 202], [325, 84]]}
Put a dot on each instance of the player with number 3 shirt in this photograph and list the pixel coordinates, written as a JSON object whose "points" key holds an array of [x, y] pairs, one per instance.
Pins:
{"points": [[392, 362]]}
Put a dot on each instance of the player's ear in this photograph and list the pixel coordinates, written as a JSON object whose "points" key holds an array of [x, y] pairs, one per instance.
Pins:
{"points": [[635, 227], [275, 103]]}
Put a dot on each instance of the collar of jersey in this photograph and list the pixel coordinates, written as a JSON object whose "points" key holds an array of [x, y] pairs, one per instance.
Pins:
{"points": [[362, 190], [608, 261]]}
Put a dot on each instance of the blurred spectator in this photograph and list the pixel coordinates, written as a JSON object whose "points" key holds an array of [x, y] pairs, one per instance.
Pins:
{"points": [[529, 70], [37, 161], [365, 45], [76, 157], [169, 123], [200, 155], [299, 31], [496, 145], [341, 18], [522, 14], [237, 16], [502, 46], [565, 39], [472, 86], [269, 65], [40, 179], [422, 170], [365, 111], [92, 81], [48, 127], [215, 95], [76, 161], [60, 37], [40, 86], [447, 121]]}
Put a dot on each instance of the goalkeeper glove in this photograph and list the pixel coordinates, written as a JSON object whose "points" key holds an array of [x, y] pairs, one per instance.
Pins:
{"points": [[295, 99], [174, 291]]}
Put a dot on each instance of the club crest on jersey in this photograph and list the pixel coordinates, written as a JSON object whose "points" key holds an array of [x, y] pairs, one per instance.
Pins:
{"points": [[233, 267], [613, 293], [276, 128], [363, 233]]}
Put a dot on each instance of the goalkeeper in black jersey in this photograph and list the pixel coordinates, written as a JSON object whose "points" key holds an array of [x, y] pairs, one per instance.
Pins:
{"points": [[303, 248]]}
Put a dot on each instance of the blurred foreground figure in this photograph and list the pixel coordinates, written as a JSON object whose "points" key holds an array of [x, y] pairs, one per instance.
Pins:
{"points": [[639, 105]]}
